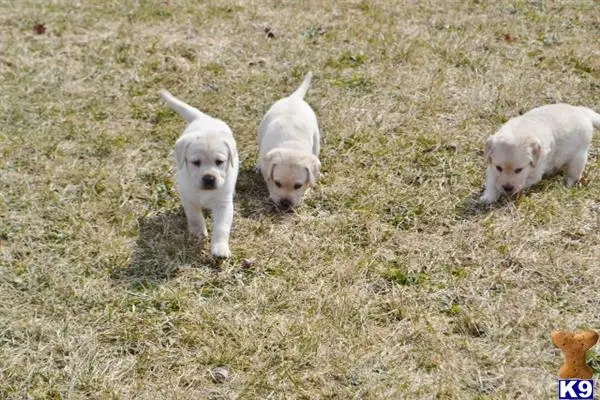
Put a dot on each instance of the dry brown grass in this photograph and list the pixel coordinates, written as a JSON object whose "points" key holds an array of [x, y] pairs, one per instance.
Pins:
{"points": [[387, 283]]}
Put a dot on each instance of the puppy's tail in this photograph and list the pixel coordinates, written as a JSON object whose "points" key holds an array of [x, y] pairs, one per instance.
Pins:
{"points": [[188, 112], [301, 91], [592, 115]]}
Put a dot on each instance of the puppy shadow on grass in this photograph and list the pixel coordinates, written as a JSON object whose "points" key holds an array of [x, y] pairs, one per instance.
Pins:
{"points": [[252, 196], [471, 207], [163, 247]]}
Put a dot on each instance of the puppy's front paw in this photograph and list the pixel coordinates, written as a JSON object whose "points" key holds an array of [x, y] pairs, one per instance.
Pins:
{"points": [[573, 181], [199, 231], [487, 198], [221, 250]]}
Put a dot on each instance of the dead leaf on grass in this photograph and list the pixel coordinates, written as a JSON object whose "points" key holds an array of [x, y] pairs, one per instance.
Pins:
{"points": [[508, 38], [39, 29]]}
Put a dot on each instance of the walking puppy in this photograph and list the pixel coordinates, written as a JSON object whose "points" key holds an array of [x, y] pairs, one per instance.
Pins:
{"points": [[539, 142], [207, 170], [289, 143]]}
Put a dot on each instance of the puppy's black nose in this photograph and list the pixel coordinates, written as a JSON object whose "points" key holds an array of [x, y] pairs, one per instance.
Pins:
{"points": [[508, 188], [208, 181], [285, 203]]}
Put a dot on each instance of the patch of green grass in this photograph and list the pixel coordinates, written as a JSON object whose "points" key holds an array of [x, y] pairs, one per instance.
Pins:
{"points": [[592, 358], [459, 273], [147, 12], [583, 65], [347, 60], [314, 32], [453, 310], [356, 83], [223, 10], [215, 68], [364, 6], [400, 276]]}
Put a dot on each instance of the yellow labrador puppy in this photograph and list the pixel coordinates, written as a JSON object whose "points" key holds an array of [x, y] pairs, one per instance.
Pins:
{"points": [[207, 170], [289, 143], [541, 141]]}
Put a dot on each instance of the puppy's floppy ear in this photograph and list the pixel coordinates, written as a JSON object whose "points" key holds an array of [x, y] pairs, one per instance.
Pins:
{"points": [[271, 161], [180, 149], [229, 154], [489, 148], [313, 170], [535, 151]]}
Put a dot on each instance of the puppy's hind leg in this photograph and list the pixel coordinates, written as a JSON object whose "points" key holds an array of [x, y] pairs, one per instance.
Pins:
{"points": [[222, 220], [575, 168], [195, 220]]}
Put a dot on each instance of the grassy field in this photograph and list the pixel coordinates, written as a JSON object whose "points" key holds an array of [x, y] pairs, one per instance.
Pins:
{"points": [[389, 282]]}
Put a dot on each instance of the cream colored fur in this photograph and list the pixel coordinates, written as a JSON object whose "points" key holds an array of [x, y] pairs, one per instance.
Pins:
{"points": [[539, 142], [207, 170], [289, 143]]}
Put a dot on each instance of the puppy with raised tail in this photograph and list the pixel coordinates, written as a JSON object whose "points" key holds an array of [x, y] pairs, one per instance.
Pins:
{"points": [[207, 170], [537, 143], [289, 143]]}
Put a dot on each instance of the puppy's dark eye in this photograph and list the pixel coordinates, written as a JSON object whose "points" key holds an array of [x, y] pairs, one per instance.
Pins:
{"points": [[196, 163], [219, 162], [518, 170], [499, 168], [297, 186], [278, 184]]}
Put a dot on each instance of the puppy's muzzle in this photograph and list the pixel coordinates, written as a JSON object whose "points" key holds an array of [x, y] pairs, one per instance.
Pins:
{"points": [[209, 182], [508, 189], [285, 204]]}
